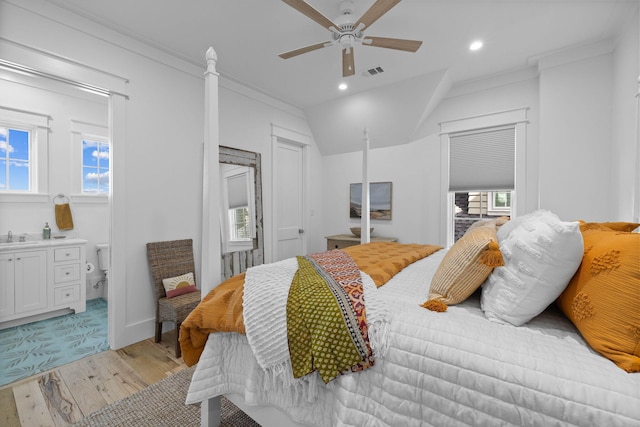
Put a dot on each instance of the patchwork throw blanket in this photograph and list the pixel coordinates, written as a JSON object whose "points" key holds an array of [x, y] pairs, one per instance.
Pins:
{"points": [[222, 309], [326, 317]]}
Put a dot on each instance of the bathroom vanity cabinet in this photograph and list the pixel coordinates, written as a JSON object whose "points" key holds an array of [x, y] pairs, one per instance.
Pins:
{"points": [[41, 279]]}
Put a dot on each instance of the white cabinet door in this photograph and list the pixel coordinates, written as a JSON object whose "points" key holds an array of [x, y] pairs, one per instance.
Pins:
{"points": [[6, 285], [30, 281]]}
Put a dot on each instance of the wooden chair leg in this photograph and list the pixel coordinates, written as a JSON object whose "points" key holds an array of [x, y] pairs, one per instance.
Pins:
{"points": [[158, 331], [178, 349]]}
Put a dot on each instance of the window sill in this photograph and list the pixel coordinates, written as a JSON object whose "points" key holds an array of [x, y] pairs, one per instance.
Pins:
{"points": [[24, 198], [46, 198], [89, 199]]}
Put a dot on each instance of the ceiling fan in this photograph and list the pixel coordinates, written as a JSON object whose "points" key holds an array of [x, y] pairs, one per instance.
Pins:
{"points": [[346, 33]]}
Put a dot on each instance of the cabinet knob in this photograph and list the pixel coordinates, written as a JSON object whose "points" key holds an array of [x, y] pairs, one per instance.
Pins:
{"points": [[67, 273]]}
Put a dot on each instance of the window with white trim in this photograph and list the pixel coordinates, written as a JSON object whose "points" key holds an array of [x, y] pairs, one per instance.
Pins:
{"points": [[484, 169], [91, 174], [481, 162], [95, 166], [15, 159], [23, 153]]}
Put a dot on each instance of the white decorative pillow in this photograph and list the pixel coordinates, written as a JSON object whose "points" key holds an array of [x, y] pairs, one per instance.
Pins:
{"points": [[179, 285], [541, 253]]}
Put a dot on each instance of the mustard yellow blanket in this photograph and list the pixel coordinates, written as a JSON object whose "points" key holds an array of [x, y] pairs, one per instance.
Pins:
{"points": [[221, 309]]}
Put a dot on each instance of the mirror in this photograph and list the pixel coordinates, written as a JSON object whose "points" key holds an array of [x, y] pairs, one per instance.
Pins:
{"points": [[240, 210], [237, 208]]}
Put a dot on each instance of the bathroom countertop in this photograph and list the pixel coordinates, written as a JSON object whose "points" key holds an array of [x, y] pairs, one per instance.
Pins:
{"points": [[34, 244]]}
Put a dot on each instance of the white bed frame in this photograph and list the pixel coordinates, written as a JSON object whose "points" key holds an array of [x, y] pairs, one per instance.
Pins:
{"points": [[264, 415]]}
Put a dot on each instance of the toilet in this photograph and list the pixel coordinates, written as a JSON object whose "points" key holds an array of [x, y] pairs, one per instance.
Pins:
{"points": [[103, 265]]}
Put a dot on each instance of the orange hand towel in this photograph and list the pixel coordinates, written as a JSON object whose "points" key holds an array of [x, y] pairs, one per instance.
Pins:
{"points": [[64, 220]]}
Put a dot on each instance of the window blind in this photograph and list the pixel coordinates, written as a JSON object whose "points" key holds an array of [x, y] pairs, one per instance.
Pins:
{"points": [[237, 190], [482, 160]]}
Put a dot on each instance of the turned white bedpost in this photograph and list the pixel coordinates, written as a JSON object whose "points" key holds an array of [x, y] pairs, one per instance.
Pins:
{"points": [[210, 265], [636, 191], [365, 210], [210, 270]]}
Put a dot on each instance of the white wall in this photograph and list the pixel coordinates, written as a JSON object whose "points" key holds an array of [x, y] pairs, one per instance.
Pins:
{"points": [[414, 173], [575, 139], [414, 168], [625, 140], [246, 120], [90, 214]]}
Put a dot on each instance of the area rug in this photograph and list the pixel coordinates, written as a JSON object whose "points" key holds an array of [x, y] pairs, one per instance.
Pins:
{"points": [[162, 404], [39, 346]]}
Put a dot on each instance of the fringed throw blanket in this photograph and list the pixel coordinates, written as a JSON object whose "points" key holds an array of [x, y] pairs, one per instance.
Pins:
{"points": [[326, 317]]}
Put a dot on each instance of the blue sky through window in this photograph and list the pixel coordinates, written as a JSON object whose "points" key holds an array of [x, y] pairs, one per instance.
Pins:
{"points": [[14, 159], [95, 167]]}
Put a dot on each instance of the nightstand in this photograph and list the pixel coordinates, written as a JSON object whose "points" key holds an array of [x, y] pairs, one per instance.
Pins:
{"points": [[340, 241]]}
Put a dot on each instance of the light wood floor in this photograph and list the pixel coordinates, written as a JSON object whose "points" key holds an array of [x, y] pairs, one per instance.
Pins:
{"points": [[65, 395]]}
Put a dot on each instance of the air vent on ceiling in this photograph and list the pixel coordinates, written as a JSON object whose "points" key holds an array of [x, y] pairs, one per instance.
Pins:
{"points": [[373, 71]]}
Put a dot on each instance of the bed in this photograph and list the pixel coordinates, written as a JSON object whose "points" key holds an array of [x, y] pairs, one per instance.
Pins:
{"points": [[457, 366]]}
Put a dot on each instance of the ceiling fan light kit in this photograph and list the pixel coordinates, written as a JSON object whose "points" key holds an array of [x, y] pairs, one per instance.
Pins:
{"points": [[347, 34]]}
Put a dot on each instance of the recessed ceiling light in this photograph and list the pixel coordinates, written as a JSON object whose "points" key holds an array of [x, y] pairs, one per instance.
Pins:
{"points": [[342, 86], [476, 45]]}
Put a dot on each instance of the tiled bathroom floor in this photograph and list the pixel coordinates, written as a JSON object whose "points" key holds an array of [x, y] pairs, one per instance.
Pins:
{"points": [[37, 347]]}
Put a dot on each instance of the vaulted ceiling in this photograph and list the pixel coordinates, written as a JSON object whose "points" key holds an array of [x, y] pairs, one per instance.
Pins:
{"points": [[248, 35]]}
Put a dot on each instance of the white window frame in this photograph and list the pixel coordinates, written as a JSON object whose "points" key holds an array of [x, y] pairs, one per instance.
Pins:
{"points": [[233, 223], [492, 209], [81, 131], [516, 117], [38, 126]]}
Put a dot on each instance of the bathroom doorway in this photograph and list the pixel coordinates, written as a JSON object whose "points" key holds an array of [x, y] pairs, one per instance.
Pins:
{"points": [[77, 118]]}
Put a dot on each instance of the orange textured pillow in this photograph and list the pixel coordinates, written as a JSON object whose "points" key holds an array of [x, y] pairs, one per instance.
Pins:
{"points": [[464, 268], [620, 226], [603, 297]]}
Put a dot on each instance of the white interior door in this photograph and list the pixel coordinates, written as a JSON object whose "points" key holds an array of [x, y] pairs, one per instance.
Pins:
{"points": [[289, 203]]}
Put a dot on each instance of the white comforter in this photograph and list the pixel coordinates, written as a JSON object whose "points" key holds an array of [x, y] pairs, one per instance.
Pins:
{"points": [[444, 369]]}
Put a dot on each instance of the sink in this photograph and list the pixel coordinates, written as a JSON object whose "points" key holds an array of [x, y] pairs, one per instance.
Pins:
{"points": [[5, 244]]}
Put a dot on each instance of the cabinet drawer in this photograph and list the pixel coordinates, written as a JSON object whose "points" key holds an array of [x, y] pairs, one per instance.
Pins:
{"points": [[339, 244], [66, 273], [66, 294], [66, 254]]}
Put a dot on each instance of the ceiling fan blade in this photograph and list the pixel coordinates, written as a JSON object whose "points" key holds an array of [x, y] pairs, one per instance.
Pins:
{"points": [[379, 8], [348, 64], [302, 50], [308, 10], [398, 44]]}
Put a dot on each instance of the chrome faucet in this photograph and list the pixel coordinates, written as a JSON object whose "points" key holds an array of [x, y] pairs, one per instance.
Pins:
{"points": [[10, 237]]}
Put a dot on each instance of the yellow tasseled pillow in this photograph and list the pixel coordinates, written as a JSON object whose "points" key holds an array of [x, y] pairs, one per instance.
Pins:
{"points": [[603, 297], [464, 268]]}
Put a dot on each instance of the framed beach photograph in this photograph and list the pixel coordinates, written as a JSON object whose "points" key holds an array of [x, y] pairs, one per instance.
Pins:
{"points": [[379, 200]]}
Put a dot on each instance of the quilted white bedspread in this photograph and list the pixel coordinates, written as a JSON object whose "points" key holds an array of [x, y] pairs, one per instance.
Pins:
{"points": [[444, 369]]}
